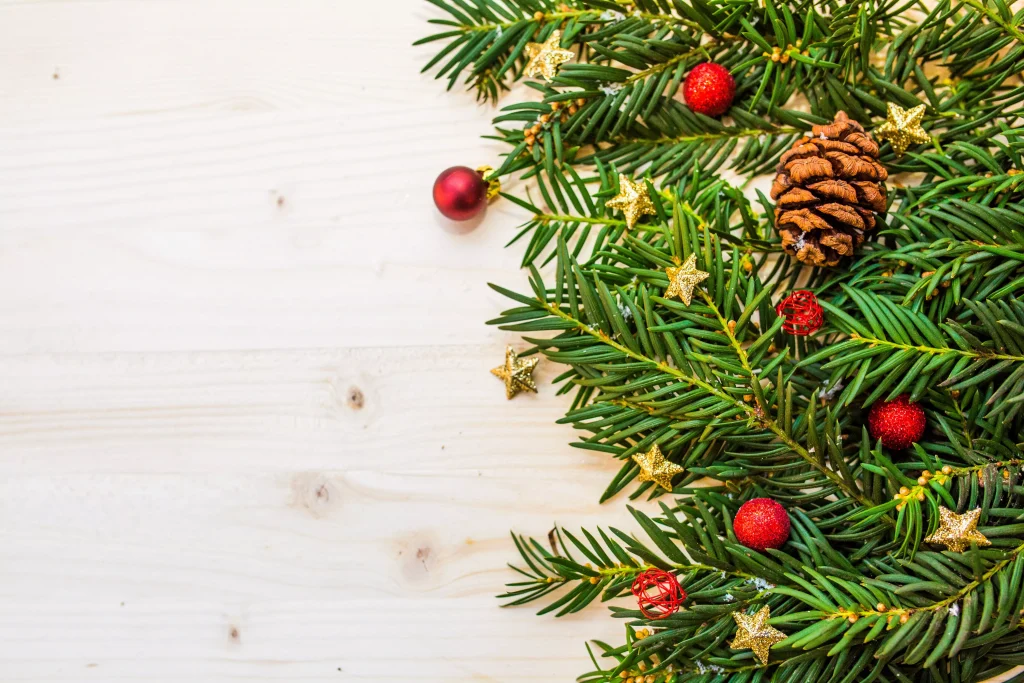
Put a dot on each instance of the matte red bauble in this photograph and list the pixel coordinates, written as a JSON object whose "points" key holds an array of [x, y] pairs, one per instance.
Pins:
{"points": [[898, 423], [761, 523], [460, 193], [709, 89], [801, 312], [658, 593]]}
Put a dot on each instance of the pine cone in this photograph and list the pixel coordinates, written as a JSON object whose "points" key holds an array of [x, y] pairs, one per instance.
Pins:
{"points": [[827, 191]]}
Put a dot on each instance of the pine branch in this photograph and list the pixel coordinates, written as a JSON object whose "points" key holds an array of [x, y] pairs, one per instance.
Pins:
{"points": [[706, 203], [731, 381], [938, 606], [489, 39], [894, 349], [931, 308]]}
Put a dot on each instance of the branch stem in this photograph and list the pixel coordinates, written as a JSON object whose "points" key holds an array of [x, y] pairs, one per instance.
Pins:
{"points": [[667, 18], [751, 412], [936, 351], [704, 137], [994, 17], [773, 425], [956, 597]]}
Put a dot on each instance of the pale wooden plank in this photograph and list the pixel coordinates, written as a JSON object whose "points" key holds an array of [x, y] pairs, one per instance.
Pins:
{"points": [[272, 493], [259, 231], [71, 59], [429, 639], [155, 574], [252, 177], [424, 408]]}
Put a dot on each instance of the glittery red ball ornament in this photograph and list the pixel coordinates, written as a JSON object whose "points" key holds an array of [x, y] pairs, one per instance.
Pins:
{"points": [[761, 523], [709, 89], [802, 313], [658, 593], [898, 423], [460, 193]]}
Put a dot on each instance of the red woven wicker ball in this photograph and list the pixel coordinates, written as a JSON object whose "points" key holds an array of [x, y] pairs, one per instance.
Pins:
{"points": [[898, 423], [802, 313], [761, 523], [658, 593], [709, 89]]}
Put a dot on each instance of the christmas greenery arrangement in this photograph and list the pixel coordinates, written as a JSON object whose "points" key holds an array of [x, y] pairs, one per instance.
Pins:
{"points": [[841, 359]]}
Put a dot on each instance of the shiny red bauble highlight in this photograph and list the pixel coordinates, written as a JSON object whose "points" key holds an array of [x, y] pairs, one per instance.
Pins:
{"points": [[899, 423], [801, 312], [709, 89], [761, 523], [460, 193], [658, 593]]}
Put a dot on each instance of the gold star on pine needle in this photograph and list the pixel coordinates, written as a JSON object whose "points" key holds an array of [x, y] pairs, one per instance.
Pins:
{"points": [[632, 200], [654, 467], [517, 374], [681, 281], [957, 532], [902, 128], [546, 57], [755, 633]]}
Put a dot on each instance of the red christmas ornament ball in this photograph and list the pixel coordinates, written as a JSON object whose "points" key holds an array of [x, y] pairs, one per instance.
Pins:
{"points": [[761, 523], [898, 423], [460, 193], [658, 593], [802, 313], [709, 89]]}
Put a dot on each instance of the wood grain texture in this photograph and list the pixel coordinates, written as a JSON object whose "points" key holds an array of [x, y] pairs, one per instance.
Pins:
{"points": [[247, 430], [280, 514]]}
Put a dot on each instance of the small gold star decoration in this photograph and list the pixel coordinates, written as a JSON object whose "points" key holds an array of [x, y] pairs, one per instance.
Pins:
{"points": [[681, 281], [632, 200], [654, 467], [517, 374], [546, 57], [902, 128], [957, 532], [755, 634]]}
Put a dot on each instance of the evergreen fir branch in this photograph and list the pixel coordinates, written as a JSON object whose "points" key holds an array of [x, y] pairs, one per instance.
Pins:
{"points": [[647, 115], [488, 39], [639, 124], [707, 202], [651, 56], [1011, 26], [707, 391], [932, 309], [899, 350], [933, 608], [894, 349], [985, 167], [676, 149], [611, 568], [855, 28], [971, 39]]}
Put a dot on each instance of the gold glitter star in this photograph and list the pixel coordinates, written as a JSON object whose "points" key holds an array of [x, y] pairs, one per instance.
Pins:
{"points": [[632, 200], [754, 633], [957, 531], [903, 128], [654, 467], [681, 281], [517, 374], [546, 57]]}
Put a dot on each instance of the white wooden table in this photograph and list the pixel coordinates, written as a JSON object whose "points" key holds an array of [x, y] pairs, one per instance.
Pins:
{"points": [[247, 429]]}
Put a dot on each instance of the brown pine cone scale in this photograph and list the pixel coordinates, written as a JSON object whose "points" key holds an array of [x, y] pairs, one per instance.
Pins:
{"points": [[828, 189]]}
